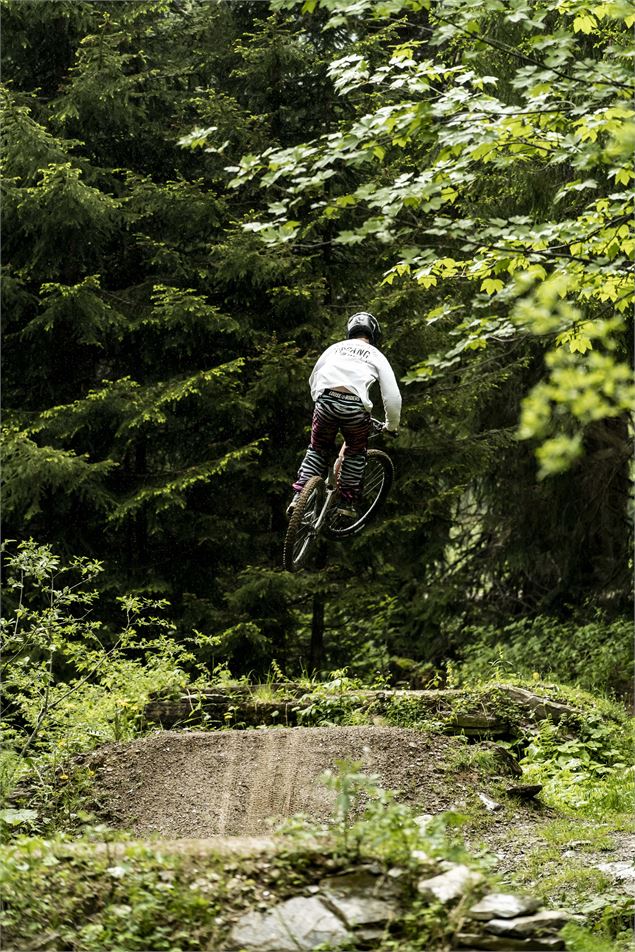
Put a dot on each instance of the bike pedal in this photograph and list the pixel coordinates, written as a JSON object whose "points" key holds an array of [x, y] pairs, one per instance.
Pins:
{"points": [[346, 512]]}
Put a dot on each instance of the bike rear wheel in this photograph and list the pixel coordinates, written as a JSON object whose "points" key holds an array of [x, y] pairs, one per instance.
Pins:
{"points": [[378, 478], [301, 538]]}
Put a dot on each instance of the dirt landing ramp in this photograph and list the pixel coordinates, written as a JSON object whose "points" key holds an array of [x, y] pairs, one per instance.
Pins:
{"points": [[239, 783]]}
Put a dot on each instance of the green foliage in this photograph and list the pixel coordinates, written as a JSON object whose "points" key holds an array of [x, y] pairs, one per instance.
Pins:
{"points": [[581, 940], [141, 323], [484, 168], [385, 828], [70, 682], [463, 172], [591, 773], [332, 702], [596, 656], [94, 902]]}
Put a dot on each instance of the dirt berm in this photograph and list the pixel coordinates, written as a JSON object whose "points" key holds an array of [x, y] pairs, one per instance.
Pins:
{"points": [[196, 784]]}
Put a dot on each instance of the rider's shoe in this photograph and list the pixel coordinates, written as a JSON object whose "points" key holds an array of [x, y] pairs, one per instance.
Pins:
{"points": [[291, 507]]}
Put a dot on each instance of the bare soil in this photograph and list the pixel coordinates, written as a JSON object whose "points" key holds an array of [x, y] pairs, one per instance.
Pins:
{"points": [[242, 783]]}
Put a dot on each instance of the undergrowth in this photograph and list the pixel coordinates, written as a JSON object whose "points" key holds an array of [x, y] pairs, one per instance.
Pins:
{"points": [[561, 866], [595, 656], [70, 683], [122, 897]]}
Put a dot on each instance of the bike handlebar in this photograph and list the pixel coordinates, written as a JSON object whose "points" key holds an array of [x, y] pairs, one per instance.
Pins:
{"points": [[377, 427]]}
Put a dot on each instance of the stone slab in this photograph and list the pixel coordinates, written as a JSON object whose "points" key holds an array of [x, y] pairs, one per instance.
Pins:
{"points": [[503, 906], [479, 943], [297, 925], [451, 885], [526, 926]]}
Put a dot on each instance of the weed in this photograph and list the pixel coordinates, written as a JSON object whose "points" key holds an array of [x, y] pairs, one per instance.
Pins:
{"points": [[588, 837], [583, 940], [469, 757], [332, 702]]}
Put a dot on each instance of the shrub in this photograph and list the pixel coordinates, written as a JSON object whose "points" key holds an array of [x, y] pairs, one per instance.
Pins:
{"points": [[595, 656], [69, 682]]}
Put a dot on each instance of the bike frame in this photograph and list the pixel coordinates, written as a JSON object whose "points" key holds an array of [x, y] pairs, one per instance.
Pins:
{"points": [[311, 522], [331, 490], [333, 474]]}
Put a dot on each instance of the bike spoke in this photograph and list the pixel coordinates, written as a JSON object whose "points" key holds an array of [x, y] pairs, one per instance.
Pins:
{"points": [[377, 478], [373, 484]]}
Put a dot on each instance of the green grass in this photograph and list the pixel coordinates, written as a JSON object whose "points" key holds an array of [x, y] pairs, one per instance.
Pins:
{"points": [[560, 870], [473, 758]]}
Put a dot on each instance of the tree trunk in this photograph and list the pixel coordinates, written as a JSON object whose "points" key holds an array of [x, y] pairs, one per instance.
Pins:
{"points": [[316, 648]]}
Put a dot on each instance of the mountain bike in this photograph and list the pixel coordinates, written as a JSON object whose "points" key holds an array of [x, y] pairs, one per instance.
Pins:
{"points": [[320, 514]]}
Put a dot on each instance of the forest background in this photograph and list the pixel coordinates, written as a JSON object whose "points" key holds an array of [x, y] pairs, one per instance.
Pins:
{"points": [[196, 196]]}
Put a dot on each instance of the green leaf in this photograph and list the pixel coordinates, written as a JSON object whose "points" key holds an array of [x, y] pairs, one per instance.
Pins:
{"points": [[492, 285], [17, 817], [584, 24]]}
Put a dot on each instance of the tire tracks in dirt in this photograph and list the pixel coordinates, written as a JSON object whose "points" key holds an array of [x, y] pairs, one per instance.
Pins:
{"points": [[181, 784], [277, 766]]}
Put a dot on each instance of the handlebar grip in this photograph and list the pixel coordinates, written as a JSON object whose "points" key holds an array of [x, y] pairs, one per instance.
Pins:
{"points": [[379, 427]]}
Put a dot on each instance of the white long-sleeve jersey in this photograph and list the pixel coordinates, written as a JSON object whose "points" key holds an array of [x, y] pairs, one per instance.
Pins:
{"points": [[356, 365]]}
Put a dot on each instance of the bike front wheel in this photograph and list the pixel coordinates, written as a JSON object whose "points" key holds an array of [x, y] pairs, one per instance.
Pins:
{"points": [[378, 477], [301, 537]]}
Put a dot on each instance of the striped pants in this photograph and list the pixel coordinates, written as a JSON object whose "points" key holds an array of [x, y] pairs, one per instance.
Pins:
{"points": [[344, 413]]}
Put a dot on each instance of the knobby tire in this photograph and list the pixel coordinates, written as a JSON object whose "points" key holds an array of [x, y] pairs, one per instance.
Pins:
{"points": [[300, 541]]}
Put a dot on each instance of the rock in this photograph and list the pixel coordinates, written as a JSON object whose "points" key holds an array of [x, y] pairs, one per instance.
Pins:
{"points": [[451, 885], [503, 906], [490, 804], [369, 937], [524, 791], [297, 925], [360, 910], [508, 760], [619, 870], [541, 707], [358, 881], [622, 872], [496, 943], [353, 897], [477, 723], [547, 921], [423, 821]]}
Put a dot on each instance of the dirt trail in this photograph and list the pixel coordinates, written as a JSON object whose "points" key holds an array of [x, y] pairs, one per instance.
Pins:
{"points": [[240, 783]]}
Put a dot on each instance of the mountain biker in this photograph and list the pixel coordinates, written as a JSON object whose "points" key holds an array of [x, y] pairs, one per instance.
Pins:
{"points": [[339, 384]]}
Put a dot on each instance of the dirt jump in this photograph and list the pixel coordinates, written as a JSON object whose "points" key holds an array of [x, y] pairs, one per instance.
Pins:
{"points": [[242, 783]]}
